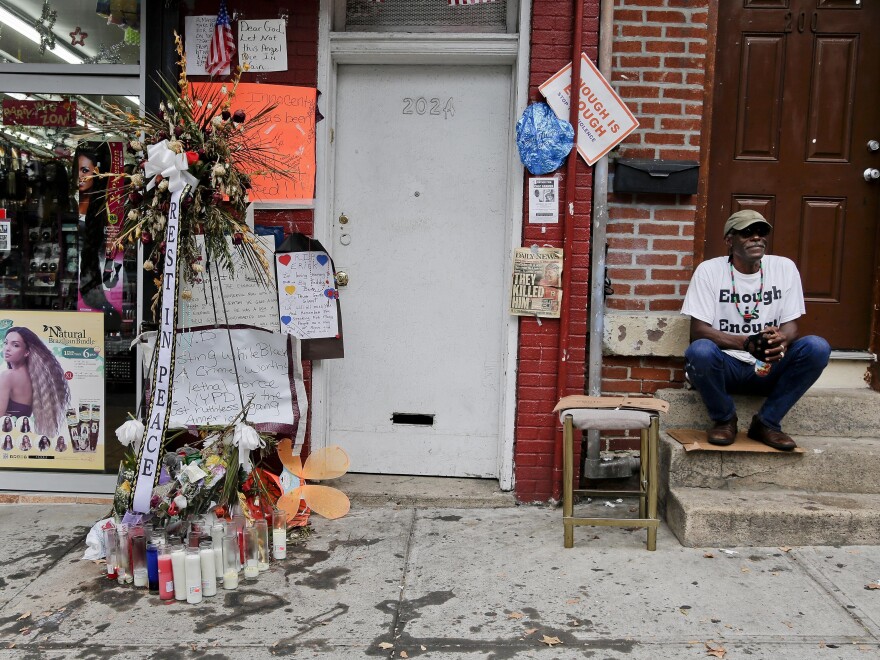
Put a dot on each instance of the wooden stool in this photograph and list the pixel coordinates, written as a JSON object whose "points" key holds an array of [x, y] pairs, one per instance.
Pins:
{"points": [[612, 413]]}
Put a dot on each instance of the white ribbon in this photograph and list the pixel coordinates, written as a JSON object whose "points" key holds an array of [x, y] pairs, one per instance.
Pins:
{"points": [[172, 166], [246, 438]]}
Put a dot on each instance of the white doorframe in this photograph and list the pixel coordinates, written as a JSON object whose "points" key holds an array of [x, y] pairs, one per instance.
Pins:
{"points": [[424, 49]]}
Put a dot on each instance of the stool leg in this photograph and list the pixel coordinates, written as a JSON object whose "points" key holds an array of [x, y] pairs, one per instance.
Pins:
{"points": [[653, 472], [567, 481], [643, 473]]}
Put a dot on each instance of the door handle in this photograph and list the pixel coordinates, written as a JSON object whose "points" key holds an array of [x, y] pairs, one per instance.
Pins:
{"points": [[342, 276], [814, 22], [802, 21], [871, 174]]}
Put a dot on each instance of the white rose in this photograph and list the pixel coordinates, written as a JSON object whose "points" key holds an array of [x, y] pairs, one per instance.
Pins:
{"points": [[181, 502], [130, 433], [246, 438]]}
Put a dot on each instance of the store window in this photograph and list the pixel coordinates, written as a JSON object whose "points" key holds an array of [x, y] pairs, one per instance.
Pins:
{"points": [[64, 277], [70, 32], [435, 16]]}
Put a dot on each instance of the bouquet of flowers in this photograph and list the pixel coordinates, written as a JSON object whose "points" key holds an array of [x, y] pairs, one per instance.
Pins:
{"points": [[210, 146]]}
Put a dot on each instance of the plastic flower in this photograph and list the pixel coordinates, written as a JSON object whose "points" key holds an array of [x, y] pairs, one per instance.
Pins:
{"points": [[325, 463], [130, 434]]}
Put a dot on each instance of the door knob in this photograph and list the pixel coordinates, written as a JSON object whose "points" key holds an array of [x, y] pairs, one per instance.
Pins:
{"points": [[341, 278], [872, 174], [873, 145]]}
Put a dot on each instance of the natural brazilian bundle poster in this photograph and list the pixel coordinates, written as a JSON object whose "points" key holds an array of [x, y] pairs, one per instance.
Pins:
{"points": [[52, 390]]}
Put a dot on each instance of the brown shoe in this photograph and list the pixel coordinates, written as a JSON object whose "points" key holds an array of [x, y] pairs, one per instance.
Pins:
{"points": [[775, 439], [723, 433]]}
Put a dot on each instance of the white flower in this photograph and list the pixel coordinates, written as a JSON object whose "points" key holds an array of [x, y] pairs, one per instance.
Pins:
{"points": [[130, 433], [218, 170], [223, 90], [246, 438], [181, 502], [217, 120], [163, 185], [134, 214], [136, 145], [137, 180], [176, 146], [197, 268]]}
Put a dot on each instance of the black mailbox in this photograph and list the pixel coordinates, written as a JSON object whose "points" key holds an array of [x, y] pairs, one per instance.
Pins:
{"points": [[633, 175]]}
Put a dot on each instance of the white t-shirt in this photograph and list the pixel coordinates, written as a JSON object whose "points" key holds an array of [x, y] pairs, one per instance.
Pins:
{"points": [[710, 297]]}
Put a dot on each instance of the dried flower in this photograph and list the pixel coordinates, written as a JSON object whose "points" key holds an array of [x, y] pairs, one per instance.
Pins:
{"points": [[187, 295], [197, 268], [149, 265]]}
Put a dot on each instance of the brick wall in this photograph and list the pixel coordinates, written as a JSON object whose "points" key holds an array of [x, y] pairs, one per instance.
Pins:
{"points": [[658, 69], [536, 428]]}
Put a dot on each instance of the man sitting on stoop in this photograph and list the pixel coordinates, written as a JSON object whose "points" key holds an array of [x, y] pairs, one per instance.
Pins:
{"points": [[744, 335]]}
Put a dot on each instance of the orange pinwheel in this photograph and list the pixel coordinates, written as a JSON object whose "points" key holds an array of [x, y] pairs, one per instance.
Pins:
{"points": [[325, 463]]}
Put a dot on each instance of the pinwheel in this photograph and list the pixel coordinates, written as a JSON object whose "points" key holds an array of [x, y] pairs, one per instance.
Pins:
{"points": [[326, 463]]}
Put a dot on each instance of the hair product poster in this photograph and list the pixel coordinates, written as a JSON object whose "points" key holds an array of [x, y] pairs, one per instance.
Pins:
{"points": [[101, 208], [52, 390]]}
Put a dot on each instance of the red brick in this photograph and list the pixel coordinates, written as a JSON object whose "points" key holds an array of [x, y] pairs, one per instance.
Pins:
{"points": [[656, 259], [663, 138], [684, 32], [655, 289], [665, 305], [658, 229], [684, 93], [661, 108], [625, 30], [665, 17], [670, 77], [638, 61], [626, 304], [646, 373], [667, 274], [663, 46]]}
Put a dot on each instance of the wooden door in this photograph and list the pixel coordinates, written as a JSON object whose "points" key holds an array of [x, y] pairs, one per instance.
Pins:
{"points": [[797, 87]]}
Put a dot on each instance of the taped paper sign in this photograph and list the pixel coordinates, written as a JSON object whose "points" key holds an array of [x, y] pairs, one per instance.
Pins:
{"points": [[537, 282], [307, 295], [246, 301], [263, 44], [198, 31], [290, 136], [603, 118], [269, 372]]}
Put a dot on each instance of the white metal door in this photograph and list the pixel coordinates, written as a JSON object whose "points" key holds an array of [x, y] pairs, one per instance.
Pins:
{"points": [[420, 190]]}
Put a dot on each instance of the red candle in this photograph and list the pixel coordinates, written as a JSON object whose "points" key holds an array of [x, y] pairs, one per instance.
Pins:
{"points": [[166, 576]]}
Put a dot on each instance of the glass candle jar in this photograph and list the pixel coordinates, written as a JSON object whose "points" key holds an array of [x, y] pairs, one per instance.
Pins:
{"points": [[279, 534], [251, 553], [178, 567], [153, 546], [193, 576], [209, 572], [230, 561], [123, 554], [239, 524], [166, 573], [196, 532], [262, 528], [218, 531], [111, 547], [138, 556]]}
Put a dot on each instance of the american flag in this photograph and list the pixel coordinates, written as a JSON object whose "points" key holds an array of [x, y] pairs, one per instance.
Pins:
{"points": [[222, 46]]}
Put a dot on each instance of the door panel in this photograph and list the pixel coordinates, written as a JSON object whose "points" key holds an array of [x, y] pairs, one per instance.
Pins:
{"points": [[421, 178], [799, 82]]}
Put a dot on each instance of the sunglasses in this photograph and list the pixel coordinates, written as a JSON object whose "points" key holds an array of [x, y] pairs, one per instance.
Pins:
{"points": [[758, 228]]}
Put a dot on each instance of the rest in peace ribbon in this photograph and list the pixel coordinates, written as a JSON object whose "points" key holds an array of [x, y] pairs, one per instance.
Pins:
{"points": [[163, 369]]}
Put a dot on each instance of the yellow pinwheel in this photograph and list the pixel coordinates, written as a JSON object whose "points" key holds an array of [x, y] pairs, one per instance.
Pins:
{"points": [[325, 463]]}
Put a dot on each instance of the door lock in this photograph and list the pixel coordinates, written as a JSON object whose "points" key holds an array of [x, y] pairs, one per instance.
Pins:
{"points": [[341, 279], [873, 145], [871, 174], [343, 219]]}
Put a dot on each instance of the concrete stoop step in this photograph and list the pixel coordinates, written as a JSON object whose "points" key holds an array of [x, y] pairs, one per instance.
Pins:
{"points": [[828, 495]]}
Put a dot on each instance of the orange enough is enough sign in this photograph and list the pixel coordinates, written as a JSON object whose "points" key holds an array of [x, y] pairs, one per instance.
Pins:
{"points": [[290, 134]]}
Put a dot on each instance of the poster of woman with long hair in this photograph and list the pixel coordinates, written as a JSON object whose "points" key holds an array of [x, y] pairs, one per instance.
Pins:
{"points": [[51, 390], [101, 272]]}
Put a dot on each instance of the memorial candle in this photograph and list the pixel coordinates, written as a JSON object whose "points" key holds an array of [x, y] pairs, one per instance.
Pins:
{"points": [[153, 564], [111, 546], [178, 567], [218, 531], [252, 553], [193, 576], [139, 557], [166, 574], [209, 572], [279, 534], [123, 555], [230, 561]]}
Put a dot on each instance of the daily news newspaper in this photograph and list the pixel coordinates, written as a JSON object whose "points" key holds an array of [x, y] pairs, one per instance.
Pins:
{"points": [[537, 282]]}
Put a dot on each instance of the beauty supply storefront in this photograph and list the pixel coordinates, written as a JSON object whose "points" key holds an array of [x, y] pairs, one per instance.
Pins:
{"points": [[69, 298]]}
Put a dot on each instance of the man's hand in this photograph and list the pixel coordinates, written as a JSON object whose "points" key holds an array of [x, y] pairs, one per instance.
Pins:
{"points": [[778, 340]]}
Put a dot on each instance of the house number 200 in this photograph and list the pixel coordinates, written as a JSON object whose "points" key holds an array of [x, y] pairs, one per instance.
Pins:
{"points": [[423, 106]]}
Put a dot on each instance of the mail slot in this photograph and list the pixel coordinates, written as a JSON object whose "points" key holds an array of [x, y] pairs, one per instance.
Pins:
{"points": [[677, 177]]}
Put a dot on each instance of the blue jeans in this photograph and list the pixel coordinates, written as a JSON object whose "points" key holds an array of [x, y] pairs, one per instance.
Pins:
{"points": [[717, 375]]}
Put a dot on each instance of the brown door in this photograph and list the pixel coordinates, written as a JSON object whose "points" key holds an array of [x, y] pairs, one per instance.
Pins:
{"points": [[796, 101]]}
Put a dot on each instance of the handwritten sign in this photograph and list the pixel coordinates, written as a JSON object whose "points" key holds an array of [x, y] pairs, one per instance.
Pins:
{"points": [[39, 113], [263, 44], [289, 135], [198, 31], [307, 295], [603, 118], [269, 372], [247, 301]]}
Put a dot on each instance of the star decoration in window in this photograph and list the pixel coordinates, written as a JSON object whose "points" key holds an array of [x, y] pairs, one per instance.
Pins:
{"points": [[44, 26], [78, 37]]}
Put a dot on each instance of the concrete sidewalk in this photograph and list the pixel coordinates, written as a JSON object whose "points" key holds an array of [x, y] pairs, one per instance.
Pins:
{"points": [[447, 583]]}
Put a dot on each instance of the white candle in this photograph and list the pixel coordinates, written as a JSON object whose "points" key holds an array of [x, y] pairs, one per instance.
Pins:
{"points": [[279, 544], [251, 569], [140, 577], [218, 560], [193, 576], [178, 570], [230, 579], [209, 574]]}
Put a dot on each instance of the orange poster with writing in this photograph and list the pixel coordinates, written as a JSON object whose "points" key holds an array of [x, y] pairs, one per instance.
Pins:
{"points": [[290, 134]]}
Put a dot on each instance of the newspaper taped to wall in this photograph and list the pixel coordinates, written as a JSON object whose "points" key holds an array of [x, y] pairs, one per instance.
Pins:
{"points": [[537, 282]]}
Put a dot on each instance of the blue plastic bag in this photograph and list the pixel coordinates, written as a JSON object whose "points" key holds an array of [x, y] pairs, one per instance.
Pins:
{"points": [[544, 140]]}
